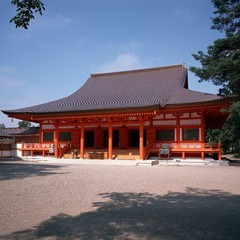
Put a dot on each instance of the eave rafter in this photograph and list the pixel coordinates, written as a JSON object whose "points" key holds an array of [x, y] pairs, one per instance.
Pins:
{"points": [[200, 109], [97, 118]]}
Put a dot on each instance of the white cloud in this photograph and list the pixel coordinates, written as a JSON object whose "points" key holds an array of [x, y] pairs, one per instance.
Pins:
{"points": [[185, 14], [39, 24], [55, 21], [8, 79], [132, 46], [121, 62], [5, 69]]}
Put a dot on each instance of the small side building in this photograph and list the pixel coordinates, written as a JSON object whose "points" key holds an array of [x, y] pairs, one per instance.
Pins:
{"points": [[11, 139], [6, 144]]}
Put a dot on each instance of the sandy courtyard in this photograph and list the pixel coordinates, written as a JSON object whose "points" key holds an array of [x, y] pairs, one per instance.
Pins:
{"points": [[119, 202]]}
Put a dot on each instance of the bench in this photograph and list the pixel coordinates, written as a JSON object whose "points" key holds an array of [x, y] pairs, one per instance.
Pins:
{"points": [[96, 155]]}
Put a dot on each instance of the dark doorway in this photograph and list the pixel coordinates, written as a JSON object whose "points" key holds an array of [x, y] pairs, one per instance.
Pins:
{"points": [[115, 138], [134, 138], [89, 138]]}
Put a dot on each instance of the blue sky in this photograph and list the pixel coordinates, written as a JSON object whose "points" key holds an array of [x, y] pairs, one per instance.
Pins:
{"points": [[74, 38]]}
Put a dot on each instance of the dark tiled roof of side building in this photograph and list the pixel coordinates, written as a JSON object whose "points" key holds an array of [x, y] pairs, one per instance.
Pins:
{"points": [[3, 133], [127, 89], [14, 131], [5, 137]]}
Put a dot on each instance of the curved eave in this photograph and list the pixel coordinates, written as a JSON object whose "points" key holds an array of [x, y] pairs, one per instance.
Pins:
{"points": [[35, 117], [214, 105], [214, 116], [224, 101]]}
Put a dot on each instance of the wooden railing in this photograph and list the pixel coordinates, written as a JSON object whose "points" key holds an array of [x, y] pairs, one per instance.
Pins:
{"points": [[188, 148], [34, 147], [42, 148]]}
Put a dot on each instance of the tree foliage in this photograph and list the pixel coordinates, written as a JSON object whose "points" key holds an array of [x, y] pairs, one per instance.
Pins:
{"points": [[24, 124], [25, 11], [221, 64], [228, 15]]}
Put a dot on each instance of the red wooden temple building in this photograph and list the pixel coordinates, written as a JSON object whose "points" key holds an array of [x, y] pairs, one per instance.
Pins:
{"points": [[128, 115]]}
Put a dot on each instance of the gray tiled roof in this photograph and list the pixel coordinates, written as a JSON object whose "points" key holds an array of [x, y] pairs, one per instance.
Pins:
{"points": [[129, 89], [14, 130], [30, 130], [20, 131], [3, 133], [4, 137], [183, 96]]}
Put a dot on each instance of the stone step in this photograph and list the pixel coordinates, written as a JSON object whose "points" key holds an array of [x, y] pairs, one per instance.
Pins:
{"points": [[148, 163]]}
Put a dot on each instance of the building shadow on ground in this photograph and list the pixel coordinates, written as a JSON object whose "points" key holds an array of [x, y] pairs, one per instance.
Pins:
{"points": [[194, 214], [20, 171]]}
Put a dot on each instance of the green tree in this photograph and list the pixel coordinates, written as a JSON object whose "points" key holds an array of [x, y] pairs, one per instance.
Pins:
{"points": [[25, 11], [221, 64], [24, 124], [2, 125]]}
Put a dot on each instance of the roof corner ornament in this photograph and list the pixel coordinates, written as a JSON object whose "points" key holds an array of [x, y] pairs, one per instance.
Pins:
{"points": [[161, 103]]}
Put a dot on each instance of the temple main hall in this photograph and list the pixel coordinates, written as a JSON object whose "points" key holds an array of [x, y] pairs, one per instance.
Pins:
{"points": [[127, 115]]}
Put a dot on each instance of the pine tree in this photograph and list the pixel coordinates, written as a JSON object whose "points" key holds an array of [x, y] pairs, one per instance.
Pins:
{"points": [[221, 64]]}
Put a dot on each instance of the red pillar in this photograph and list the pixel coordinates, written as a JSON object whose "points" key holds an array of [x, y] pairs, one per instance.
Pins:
{"points": [[40, 138], [56, 140], [22, 150], [203, 128], [141, 133], [82, 142], [220, 151], [178, 129], [110, 140]]}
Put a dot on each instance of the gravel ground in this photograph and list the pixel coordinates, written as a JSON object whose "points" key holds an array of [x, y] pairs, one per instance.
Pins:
{"points": [[119, 202]]}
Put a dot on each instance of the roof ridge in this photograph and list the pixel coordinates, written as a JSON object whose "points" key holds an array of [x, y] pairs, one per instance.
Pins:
{"points": [[138, 70]]}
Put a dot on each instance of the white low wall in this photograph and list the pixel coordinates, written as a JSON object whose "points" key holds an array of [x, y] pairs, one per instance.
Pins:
{"points": [[5, 153]]}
